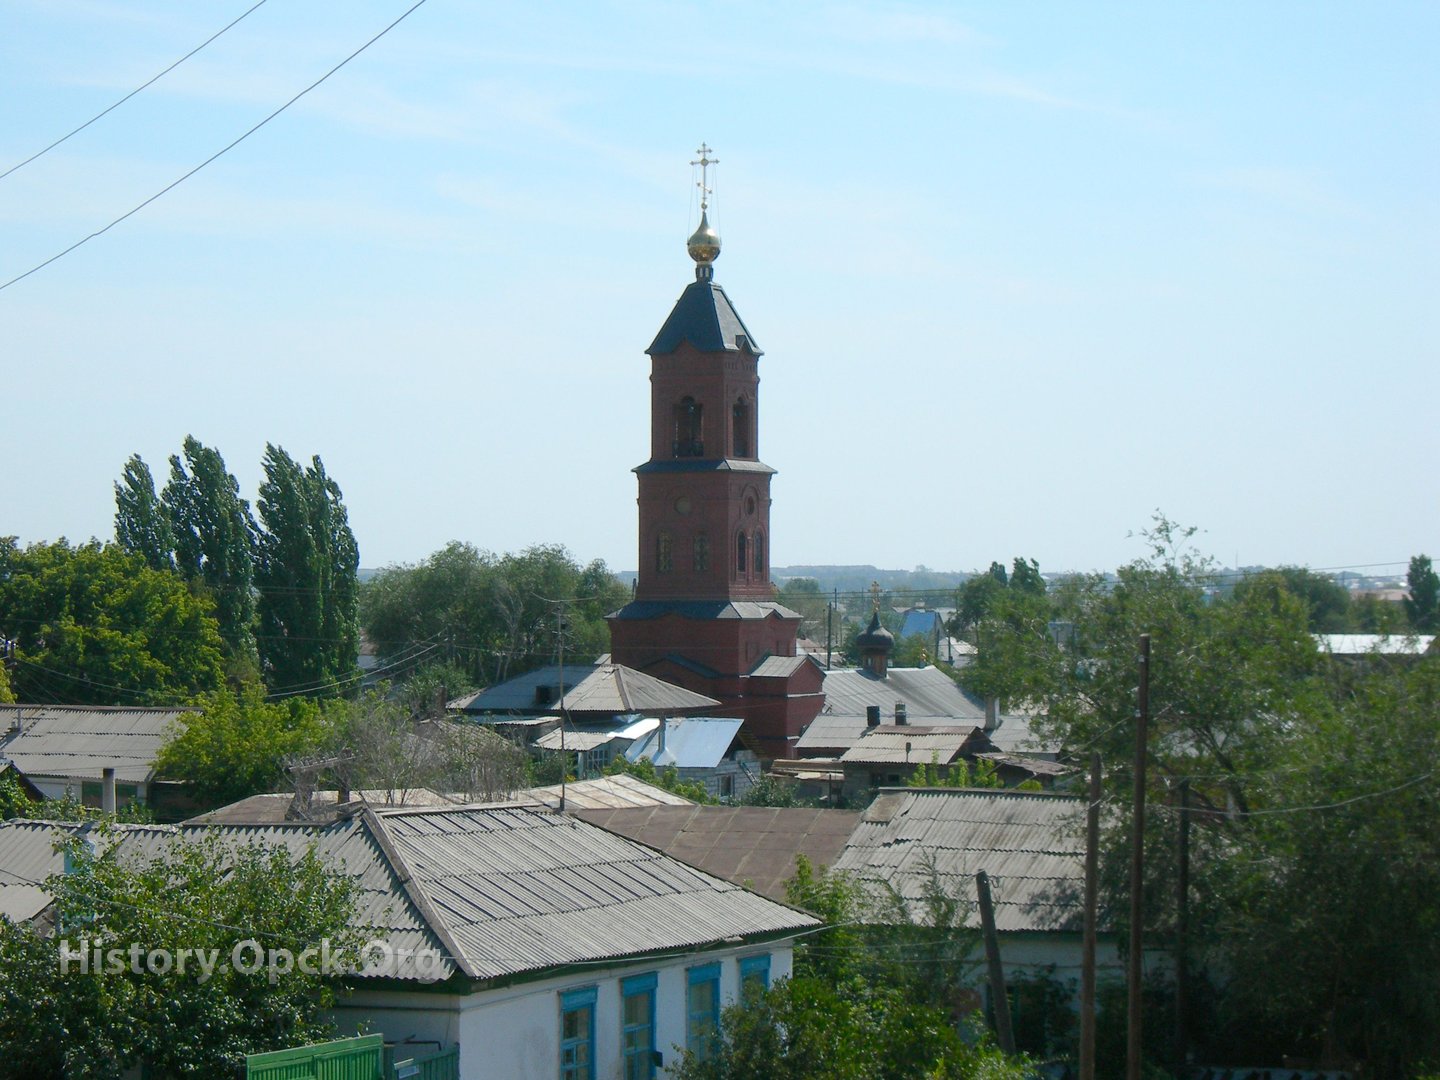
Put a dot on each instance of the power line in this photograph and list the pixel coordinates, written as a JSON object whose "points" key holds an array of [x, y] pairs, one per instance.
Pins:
{"points": [[224, 150], [132, 93]]}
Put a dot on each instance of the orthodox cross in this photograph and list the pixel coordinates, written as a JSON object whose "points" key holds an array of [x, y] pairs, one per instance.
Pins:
{"points": [[705, 161], [875, 594]]}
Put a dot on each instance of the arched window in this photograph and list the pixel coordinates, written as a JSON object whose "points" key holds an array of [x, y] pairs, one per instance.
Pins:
{"points": [[740, 429], [689, 441], [759, 552], [663, 558], [740, 553], [702, 552]]}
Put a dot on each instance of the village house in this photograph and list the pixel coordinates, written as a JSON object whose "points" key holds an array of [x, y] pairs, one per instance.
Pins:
{"points": [[536, 943], [67, 749]]}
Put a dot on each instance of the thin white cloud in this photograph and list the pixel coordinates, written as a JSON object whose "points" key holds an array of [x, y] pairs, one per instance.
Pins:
{"points": [[1294, 188]]}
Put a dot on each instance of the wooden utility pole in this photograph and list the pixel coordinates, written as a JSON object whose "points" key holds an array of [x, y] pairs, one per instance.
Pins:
{"points": [[1182, 930], [1092, 895], [998, 1000], [1136, 971]]}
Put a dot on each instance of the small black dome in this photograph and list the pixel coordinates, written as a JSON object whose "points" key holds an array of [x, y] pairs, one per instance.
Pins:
{"points": [[876, 636]]}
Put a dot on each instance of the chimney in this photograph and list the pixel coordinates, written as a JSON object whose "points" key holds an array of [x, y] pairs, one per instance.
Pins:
{"points": [[900, 718], [872, 716], [992, 713], [660, 745], [107, 789], [342, 796]]}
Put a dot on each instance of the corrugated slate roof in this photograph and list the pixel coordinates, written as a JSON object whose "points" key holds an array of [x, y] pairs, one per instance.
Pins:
{"points": [[521, 890], [751, 845], [573, 741], [1030, 844], [518, 694], [616, 689], [906, 744], [699, 742], [603, 792], [705, 318], [76, 741], [499, 890], [926, 692]]}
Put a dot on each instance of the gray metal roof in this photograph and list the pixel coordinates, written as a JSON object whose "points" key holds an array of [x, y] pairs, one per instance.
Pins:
{"points": [[704, 609], [79, 741], [781, 667], [1030, 844], [705, 318], [699, 742], [1381, 644], [751, 845]]}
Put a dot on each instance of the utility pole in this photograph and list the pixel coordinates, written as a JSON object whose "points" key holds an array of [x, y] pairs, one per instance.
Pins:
{"points": [[1182, 931], [830, 627], [1136, 971], [998, 1000], [1092, 894], [560, 703]]}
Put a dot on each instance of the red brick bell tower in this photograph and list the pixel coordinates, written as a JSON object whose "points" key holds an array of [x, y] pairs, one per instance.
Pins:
{"points": [[704, 614]]}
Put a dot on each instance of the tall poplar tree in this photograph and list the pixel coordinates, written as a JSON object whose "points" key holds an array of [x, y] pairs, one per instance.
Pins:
{"points": [[306, 563], [1422, 604], [142, 525], [215, 540]]}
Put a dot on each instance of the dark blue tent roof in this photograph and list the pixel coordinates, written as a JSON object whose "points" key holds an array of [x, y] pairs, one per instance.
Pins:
{"points": [[704, 317]]}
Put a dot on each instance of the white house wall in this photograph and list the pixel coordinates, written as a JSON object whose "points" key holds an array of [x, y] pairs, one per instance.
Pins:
{"points": [[514, 1032]]}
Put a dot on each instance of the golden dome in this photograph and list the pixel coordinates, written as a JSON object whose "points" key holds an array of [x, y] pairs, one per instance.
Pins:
{"points": [[704, 245]]}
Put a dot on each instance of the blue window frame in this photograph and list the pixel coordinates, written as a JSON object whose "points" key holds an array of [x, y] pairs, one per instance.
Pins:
{"points": [[702, 1010], [637, 1026], [754, 974], [577, 1034]]}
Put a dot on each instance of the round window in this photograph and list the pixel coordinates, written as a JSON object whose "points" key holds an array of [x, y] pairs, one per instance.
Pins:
{"points": [[682, 505]]}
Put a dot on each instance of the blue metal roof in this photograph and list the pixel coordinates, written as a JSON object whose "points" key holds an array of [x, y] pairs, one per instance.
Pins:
{"points": [[698, 742], [705, 318]]}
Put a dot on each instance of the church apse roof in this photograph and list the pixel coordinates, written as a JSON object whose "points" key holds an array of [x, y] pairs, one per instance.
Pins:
{"points": [[705, 318]]}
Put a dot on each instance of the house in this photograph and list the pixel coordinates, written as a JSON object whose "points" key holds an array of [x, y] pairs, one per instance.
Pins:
{"points": [[1030, 844], [65, 750], [857, 698], [703, 749], [538, 944]]}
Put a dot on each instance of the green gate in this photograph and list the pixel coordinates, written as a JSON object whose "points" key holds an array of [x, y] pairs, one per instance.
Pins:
{"points": [[365, 1058], [344, 1059]]}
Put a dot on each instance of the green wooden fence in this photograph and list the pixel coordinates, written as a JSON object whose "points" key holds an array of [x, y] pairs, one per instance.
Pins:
{"points": [[364, 1058]]}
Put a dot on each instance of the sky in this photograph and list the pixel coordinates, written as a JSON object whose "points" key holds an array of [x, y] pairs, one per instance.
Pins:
{"points": [[1024, 274]]}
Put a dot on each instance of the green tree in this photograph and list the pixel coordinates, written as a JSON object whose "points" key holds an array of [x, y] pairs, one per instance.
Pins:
{"points": [[142, 524], [493, 615], [805, 1029], [94, 625], [1422, 605], [803, 596], [1327, 602], [305, 570], [197, 894], [1332, 918], [239, 744], [215, 542]]}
